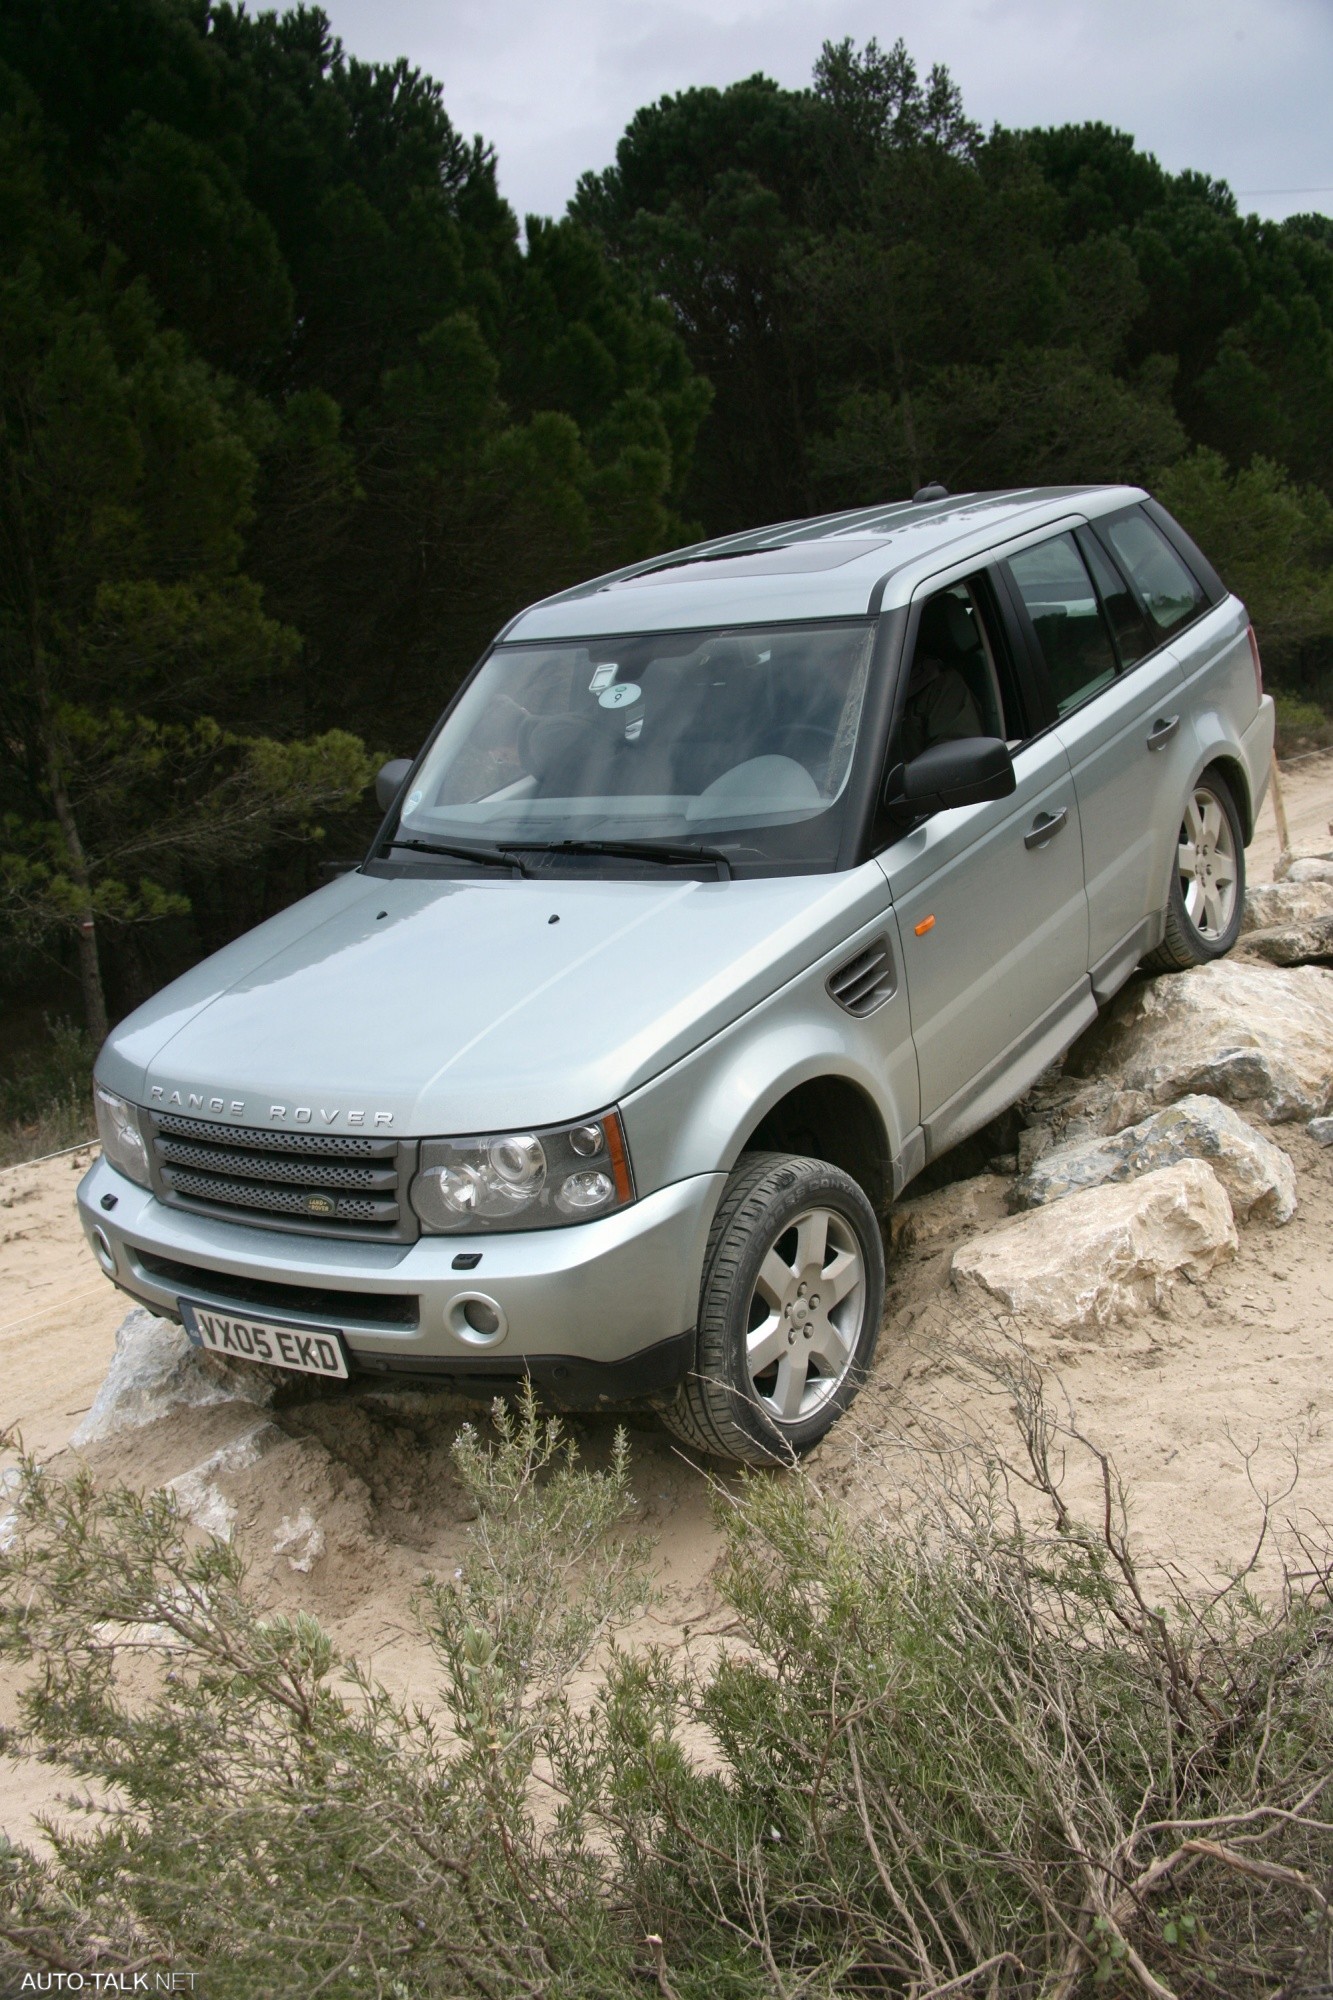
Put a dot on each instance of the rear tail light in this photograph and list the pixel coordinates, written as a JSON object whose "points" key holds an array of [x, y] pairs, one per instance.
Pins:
{"points": [[1258, 664]]}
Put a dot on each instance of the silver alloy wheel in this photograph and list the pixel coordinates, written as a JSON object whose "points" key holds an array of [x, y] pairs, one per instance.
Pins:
{"points": [[804, 1318], [1207, 861]]}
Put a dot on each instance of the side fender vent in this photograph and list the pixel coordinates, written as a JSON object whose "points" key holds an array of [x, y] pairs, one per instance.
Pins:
{"points": [[866, 981]]}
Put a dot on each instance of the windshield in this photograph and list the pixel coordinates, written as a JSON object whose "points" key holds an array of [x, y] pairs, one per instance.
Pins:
{"points": [[739, 741]]}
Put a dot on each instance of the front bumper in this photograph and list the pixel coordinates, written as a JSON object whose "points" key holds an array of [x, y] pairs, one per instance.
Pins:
{"points": [[596, 1312]]}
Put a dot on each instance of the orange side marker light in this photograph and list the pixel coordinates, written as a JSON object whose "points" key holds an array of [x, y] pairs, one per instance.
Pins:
{"points": [[926, 924], [615, 1146]]}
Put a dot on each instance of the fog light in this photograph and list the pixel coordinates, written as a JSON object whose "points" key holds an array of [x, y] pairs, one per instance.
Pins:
{"points": [[106, 1256], [478, 1320]]}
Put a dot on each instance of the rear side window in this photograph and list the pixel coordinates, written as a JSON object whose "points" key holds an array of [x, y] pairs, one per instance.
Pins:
{"points": [[1054, 584], [1170, 595]]}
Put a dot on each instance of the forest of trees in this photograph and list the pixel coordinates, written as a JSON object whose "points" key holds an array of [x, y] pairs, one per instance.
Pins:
{"points": [[293, 416]]}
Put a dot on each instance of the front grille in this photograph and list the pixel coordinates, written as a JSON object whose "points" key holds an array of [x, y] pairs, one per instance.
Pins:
{"points": [[351, 1174], [326, 1184], [318, 1302], [326, 1145]]}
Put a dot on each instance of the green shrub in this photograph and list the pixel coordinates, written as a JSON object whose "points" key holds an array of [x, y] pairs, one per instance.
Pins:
{"points": [[969, 1753], [46, 1099], [1301, 725]]}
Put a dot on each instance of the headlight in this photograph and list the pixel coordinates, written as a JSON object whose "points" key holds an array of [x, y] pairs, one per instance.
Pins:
{"points": [[122, 1141], [523, 1180]]}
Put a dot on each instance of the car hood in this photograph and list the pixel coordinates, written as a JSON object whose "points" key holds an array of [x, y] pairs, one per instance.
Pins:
{"points": [[415, 1006]]}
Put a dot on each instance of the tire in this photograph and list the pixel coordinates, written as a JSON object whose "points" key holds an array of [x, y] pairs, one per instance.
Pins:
{"points": [[1207, 898], [776, 1365]]}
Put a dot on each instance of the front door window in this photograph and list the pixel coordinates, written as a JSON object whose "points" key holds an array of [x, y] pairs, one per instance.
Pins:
{"points": [[961, 682]]}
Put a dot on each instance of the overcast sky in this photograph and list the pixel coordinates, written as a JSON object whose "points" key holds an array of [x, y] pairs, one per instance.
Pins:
{"points": [[1238, 88]]}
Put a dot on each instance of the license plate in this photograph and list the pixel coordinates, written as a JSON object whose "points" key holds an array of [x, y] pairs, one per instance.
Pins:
{"points": [[242, 1338]]}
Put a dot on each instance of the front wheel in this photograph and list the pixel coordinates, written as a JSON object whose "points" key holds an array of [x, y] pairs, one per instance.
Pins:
{"points": [[1207, 896], [789, 1311]]}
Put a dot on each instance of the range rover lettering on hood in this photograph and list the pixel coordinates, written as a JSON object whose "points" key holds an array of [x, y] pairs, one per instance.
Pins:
{"points": [[277, 1114]]}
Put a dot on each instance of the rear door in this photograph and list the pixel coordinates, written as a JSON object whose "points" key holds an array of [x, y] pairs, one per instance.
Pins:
{"points": [[989, 898], [1116, 692]]}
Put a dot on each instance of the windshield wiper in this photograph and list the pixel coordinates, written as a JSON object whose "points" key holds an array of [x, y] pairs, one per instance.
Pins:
{"points": [[494, 857], [633, 850]]}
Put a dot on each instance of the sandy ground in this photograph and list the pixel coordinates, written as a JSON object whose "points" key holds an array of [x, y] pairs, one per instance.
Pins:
{"points": [[1205, 1406]]}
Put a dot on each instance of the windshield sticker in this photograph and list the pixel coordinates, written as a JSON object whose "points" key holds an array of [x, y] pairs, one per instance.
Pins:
{"points": [[414, 800], [619, 696], [603, 677]]}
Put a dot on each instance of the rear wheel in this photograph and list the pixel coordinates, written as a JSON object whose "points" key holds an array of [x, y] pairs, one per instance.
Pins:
{"points": [[1207, 897], [789, 1311]]}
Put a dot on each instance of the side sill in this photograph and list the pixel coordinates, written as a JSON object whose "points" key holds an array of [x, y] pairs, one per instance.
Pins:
{"points": [[1009, 1075], [1110, 973]]}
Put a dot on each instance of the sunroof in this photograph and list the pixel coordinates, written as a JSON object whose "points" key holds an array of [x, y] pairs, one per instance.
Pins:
{"points": [[782, 559]]}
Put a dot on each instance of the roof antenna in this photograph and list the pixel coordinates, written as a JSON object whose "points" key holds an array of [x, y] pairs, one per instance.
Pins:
{"points": [[932, 492]]}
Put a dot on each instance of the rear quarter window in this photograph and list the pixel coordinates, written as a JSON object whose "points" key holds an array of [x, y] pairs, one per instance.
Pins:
{"points": [[1170, 595]]}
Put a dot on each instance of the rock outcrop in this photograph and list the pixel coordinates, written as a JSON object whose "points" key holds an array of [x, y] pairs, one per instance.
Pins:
{"points": [[1060, 1109], [154, 1370], [1257, 1175], [1249, 1033], [1307, 943], [1280, 904], [1104, 1254]]}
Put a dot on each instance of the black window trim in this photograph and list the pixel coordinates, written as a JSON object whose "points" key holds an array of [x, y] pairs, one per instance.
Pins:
{"points": [[1029, 666], [1121, 667]]}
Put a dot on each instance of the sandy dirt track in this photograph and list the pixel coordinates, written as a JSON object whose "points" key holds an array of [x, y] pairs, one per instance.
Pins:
{"points": [[1217, 1395]]}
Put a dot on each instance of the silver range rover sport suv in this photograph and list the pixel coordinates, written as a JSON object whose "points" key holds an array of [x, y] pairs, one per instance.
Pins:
{"points": [[729, 891]]}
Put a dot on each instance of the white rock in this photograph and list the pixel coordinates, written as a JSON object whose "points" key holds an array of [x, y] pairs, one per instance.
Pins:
{"points": [[301, 1541], [1250, 1033], [196, 1492], [1322, 1130], [928, 1221], [1312, 869], [1257, 1175], [11, 1479], [203, 1504], [1269, 904], [154, 1370], [1104, 1254]]}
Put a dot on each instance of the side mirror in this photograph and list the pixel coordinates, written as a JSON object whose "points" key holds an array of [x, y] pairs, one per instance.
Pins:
{"points": [[958, 773], [389, 781]]}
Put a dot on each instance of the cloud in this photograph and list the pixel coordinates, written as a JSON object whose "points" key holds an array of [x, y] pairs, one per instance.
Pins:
{"points": [[1236, 88]]}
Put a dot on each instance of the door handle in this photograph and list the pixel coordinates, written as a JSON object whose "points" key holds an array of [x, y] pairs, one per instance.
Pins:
{"points": [[1162, 732], [1045, 827]]}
